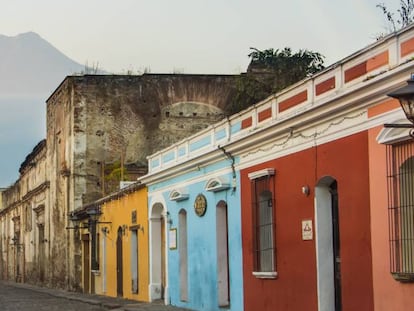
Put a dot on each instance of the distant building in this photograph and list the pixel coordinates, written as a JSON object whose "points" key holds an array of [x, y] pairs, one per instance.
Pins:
{"points": [[100, 128], [25, 223]]}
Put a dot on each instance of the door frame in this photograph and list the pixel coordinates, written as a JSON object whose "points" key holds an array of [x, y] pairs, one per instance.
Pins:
{"points": [[328, 285], [86, 263], [158, 287], [119, 264]]}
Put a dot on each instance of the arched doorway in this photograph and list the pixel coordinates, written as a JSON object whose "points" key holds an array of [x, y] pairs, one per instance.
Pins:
{"points": [[119, 267], [157, 252], [328, 255], [223, 284], [182, 251]]}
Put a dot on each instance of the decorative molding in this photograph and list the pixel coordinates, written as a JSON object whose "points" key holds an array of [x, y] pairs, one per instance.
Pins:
{"points": [[216, 184], [178, 194], [391, 135], [265, 275], [36, 190], [262, 173]]}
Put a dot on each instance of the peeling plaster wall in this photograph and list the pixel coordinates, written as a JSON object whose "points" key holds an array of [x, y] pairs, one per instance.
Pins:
{"points": [[24, 257]]}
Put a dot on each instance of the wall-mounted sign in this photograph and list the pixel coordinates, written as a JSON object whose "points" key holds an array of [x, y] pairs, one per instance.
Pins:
{"points": [[172, 238], [200, 205], [307, 231]]}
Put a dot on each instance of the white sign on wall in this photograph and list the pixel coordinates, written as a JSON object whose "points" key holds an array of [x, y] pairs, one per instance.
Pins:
{"points": [[172, 238], [307, 231]]}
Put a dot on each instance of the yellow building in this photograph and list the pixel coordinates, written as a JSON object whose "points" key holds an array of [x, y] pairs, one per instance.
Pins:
{"points": [[114, 237]]}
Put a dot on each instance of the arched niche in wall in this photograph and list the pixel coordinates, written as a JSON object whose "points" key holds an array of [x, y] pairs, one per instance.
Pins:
{"points": [[178, 194], [216, 184]]}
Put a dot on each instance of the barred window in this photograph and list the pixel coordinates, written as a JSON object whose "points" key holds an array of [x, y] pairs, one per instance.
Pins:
{"points": [[400, 176], [263, 209]]}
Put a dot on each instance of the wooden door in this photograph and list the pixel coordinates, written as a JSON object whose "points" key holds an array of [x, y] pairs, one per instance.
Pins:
{"points": [[119, 267], [86, 263]]}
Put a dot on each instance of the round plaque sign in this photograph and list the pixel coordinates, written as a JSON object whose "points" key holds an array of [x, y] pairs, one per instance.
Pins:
{"points": [[200, 205]]}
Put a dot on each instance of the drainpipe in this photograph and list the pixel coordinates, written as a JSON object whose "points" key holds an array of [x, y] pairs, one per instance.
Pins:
{"points": [[231, 158]]}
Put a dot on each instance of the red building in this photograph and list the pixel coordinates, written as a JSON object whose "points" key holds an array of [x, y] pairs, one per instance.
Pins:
{"points": [[322, 226]]}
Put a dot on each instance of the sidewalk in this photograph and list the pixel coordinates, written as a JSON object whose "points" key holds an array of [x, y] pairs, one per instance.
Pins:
{"points": [[109, 303]]}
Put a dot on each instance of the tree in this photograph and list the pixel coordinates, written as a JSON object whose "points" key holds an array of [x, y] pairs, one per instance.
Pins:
{"points": [[270, 71], [405, 12]]}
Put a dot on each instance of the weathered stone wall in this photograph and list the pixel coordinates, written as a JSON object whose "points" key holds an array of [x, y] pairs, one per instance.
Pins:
{"points": [[24, 255], [93, 121], [63, 175], [126, 118]]}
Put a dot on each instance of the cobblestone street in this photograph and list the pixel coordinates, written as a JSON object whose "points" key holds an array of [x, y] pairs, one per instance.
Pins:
{"points": [[20, 297]]}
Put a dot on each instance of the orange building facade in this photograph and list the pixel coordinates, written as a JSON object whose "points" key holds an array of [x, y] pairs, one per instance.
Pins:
{"points": [[327, 192], [297, 265]]}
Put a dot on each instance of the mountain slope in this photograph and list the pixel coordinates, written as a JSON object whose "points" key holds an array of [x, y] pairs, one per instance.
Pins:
{"points": [[29, 64], [30, 70]]}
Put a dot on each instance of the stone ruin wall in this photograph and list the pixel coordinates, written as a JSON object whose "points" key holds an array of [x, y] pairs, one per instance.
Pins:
{"points": [[94, 121], [126, 118], [24, 256]]}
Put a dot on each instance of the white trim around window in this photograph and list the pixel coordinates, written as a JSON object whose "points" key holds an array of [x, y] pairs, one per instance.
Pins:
{"points": [[261, 173]]}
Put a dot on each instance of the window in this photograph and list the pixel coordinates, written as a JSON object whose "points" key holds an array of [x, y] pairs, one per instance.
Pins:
{"points": [[400, 176], [183, 254], [263, 209], [134, 260]]}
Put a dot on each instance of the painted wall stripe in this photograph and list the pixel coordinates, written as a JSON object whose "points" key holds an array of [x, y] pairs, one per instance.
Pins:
{"points": [[407, 47], [355, 72], [181, 151], [293, 101], [247, 123], [235, 128], [200, 143], [377, 61], [220, 134], [383, 107], [168, 157], [155, 163], [325, 86], [366, 66], [265, 114]]}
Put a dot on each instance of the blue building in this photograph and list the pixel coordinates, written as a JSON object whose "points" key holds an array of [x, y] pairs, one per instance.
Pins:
{"points": [[195, 223]]}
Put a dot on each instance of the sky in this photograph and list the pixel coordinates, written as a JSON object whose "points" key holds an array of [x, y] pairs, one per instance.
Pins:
{"points": [[187, 36], [193, 36]]}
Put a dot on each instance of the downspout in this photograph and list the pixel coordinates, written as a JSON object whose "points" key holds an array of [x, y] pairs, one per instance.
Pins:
{"points": [[231, 158]]}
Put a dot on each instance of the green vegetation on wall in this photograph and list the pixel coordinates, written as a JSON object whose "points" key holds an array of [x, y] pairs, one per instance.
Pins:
{"points": [[271, 71]]}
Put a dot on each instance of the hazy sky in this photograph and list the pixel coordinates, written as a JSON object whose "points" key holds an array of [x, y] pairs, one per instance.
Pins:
{"points": [[185, 36], [193, 36]]}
